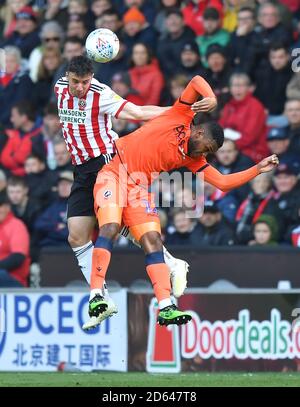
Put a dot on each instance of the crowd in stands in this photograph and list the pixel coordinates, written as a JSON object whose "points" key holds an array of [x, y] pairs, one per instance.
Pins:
{"points": [[247, 50]]}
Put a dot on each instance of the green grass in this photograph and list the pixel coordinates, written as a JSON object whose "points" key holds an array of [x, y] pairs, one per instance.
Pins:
{"points": [[149, 380]]}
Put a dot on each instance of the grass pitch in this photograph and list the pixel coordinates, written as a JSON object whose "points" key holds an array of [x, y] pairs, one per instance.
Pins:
{"points": [[109, 379]]}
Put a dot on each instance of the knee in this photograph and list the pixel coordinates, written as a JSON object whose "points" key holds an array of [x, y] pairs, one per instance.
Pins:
{"points": [[110, 230], [77, 240], [151, 242]]}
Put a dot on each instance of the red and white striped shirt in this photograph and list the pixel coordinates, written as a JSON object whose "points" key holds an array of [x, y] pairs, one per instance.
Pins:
{"points": [[86, 122]]}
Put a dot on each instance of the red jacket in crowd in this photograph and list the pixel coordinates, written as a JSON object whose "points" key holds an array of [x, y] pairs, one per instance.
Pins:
{"points": [[148, 81], [248, 117], [193, 14], [17, 149], [14, 238]]}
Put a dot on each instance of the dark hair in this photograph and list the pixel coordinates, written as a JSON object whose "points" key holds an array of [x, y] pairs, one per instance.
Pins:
{"points": [[249, 9], [81, 66], [4, 198], [174, 11], [111, 12], [74, 40], [276, 46], [17, 181], [216, 132], [36, 156], [25, 108], [148, 50]]}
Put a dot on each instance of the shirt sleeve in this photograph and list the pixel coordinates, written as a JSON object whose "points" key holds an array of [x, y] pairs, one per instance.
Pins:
{"points": [[197, 165], [110, 102]]}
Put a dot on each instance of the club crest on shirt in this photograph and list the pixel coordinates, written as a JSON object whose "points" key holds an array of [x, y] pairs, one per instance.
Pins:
{"points": [[82, 104], [107, 194]]}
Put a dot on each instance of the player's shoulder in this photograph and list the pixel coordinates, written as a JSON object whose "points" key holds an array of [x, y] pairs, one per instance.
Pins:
{"points": [[99, 87], [62, 82]]}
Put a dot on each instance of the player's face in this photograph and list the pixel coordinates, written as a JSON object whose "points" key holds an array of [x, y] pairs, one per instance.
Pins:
{"points": [[200, 143], [79, 85]]}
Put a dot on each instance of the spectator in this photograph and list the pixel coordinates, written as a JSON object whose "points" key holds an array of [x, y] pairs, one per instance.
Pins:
{"points": [[121, 84], [292, 112], [42, 91], [193, 13], [279, 144], [238, 47], [145, 75], [288, 198], [62, 156], [226, 202], [213, 33], [176, 87], [20, 139], [105, 72], [76, 27], [169, 47], [270, 31], [57, 10], [52, 36], [190, 65], [244, 119], [99, 7], [160, 19], [14, 248], [218, 75], [260, 200], [15, 85], [136, 29], [271, 85], [211, 229], [40, 180], [51, 225], [265, 231], [23, 207], [8, 14], [183, 229], [51, 131], [144, 6], [110, 19], [80, 8], [25, 36]]}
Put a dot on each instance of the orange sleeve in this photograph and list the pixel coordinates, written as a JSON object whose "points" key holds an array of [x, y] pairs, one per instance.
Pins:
{"points": [[195, 88], [228, 182]]}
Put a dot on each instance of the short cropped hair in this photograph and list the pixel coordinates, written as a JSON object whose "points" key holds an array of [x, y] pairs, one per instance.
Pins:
{"points": [[81, 66]]}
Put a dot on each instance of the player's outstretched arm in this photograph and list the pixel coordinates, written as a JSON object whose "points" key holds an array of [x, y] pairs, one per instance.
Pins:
{"points": [[230, 181], [199, 87], [134, 112]]}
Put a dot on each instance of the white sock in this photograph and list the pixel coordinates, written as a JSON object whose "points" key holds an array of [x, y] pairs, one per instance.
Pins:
{"points": [[164, 303], [84, 255]]}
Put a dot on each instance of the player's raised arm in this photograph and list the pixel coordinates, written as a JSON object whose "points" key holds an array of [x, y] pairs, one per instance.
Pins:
{"points": [[195, 88], [230, 181], [135, 112]]}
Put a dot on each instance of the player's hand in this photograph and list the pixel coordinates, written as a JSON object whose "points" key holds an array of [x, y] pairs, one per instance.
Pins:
{"points": [[204, 105], [268, 164]]}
